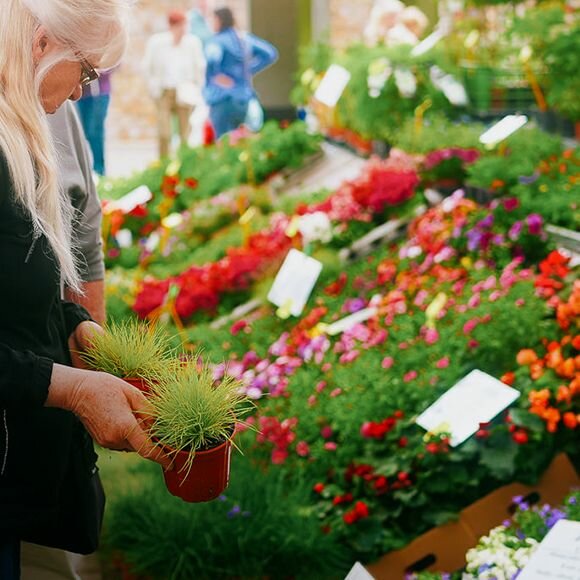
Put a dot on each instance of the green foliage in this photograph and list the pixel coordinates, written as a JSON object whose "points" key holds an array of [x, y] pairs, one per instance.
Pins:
{"points": [[563, 60], [437, 132], [256, 529], [131, 349]]}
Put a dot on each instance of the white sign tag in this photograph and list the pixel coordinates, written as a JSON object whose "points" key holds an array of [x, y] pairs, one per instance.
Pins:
{"points": [[294, 282], [359, 572], [428, 42], [131, 200], [124, 238], [503, 129], [558, 556], [332, 85], [475, 399], [349, 321]]}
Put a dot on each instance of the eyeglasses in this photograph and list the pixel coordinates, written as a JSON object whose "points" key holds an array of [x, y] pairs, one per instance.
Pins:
{"points": [[88, 72]]}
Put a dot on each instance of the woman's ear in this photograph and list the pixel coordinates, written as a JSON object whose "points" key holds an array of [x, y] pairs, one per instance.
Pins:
{"points": [[41, 44]]}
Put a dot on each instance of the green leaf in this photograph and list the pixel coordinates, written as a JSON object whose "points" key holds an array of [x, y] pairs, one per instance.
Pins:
{"points": [[523, 418], [500, 458]]}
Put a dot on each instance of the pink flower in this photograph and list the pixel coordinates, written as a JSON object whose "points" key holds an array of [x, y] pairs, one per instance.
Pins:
{"points": [[442, 363], [496, 295], [330, 446], [311, 400], [335, 392], [520, 302], [411, 375], [326, 432], [302, 449], [403, 345], [431, 336], [320, 386], [279, 456], [350, 356], [388, 362], [474, 301], [473, 343], [470, 325], [326, 367]]}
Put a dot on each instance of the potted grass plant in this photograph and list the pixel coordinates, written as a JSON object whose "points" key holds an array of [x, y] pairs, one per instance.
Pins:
{"points": [[136, 352], [194, 418]]}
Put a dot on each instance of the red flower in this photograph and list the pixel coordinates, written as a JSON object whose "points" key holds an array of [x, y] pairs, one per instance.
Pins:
{"points": [[361, 509], [318, 487], [349, 518], [520, 437]]}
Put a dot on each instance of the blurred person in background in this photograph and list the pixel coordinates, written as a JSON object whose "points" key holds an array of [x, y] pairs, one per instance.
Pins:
{"points": [[174, 66], [233, 58], [93, 107], [198, 25]]}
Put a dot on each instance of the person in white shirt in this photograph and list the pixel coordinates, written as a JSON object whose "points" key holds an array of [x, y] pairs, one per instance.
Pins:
{"points": [[175, 69]]}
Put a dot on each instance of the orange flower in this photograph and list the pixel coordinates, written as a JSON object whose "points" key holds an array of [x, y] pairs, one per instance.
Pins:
{"points": [[576, 342], [566, 369], [564, 395], [526, 357], [554, 358], [539, 398], [552, 417], [570, 420], [536, 370], [508, 378], [497, 184]]}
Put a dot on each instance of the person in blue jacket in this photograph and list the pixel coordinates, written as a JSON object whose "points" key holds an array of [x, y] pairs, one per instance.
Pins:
{"points": [[232, 60]]}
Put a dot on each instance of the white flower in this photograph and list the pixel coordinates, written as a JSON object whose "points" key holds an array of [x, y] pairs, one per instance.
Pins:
{"points": [[315, 227]]}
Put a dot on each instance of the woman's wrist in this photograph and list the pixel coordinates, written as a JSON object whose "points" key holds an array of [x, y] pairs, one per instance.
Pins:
{"points": [[65, 383]]}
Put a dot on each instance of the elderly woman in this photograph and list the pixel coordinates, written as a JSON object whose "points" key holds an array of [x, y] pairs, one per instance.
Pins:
{"points": [[49, 489]]}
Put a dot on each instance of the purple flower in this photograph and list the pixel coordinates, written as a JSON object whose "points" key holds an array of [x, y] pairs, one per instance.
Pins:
{"points": [[234, 511], [535, 222], [486, 222], [473, 240], [515, 231], [554, 517], [529, 179]]}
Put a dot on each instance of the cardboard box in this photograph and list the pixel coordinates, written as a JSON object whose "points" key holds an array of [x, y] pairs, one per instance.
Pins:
{"points": [[440, 549], [443, 548], [490, 511]]}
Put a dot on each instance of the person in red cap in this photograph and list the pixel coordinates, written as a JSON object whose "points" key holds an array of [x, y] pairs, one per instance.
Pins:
{"points": [[175, 69]]}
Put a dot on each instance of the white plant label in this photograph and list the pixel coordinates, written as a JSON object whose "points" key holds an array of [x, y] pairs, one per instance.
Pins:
{"points": [[428, 42], [332, 85], [359, 572], [349, 321], [558, 556], [503, 129], [124, 238], [295, 281], [475, 399], [131, 200]]}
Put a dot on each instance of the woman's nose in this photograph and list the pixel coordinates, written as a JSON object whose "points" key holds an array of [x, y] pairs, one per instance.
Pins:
{"points": [[76, 94]]}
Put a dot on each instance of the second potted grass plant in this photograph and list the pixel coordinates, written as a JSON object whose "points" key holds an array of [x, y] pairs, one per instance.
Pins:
{"points": [[194, 419], [136, 352]]}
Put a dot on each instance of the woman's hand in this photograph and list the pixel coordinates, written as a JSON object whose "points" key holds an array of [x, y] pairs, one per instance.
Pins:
{"points": [[112, 411], [80, 340], [223, 81]]}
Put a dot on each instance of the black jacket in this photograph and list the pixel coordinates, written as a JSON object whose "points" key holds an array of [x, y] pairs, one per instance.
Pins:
{"points": [[46, 456]]}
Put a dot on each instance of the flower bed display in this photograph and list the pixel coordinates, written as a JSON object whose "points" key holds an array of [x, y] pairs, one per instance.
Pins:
{"points": [[337, 412]]}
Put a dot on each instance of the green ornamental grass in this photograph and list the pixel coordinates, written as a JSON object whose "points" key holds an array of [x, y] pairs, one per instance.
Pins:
{"points": [[192, 412], [131, 349]]}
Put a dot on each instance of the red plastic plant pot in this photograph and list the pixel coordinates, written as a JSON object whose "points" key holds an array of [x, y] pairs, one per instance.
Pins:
{"points": [[140, 384], [207, 477]]}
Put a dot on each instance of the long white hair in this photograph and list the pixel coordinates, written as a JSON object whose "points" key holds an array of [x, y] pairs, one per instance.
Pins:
{"points": [[95, 29]]}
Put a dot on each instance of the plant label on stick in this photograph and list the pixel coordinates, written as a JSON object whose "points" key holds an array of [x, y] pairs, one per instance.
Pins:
{"points": [[502, 129], [557, 556], [332, 85], [349, 321], [359, 572], [129, 202], [475, 399], [294, 282]]}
